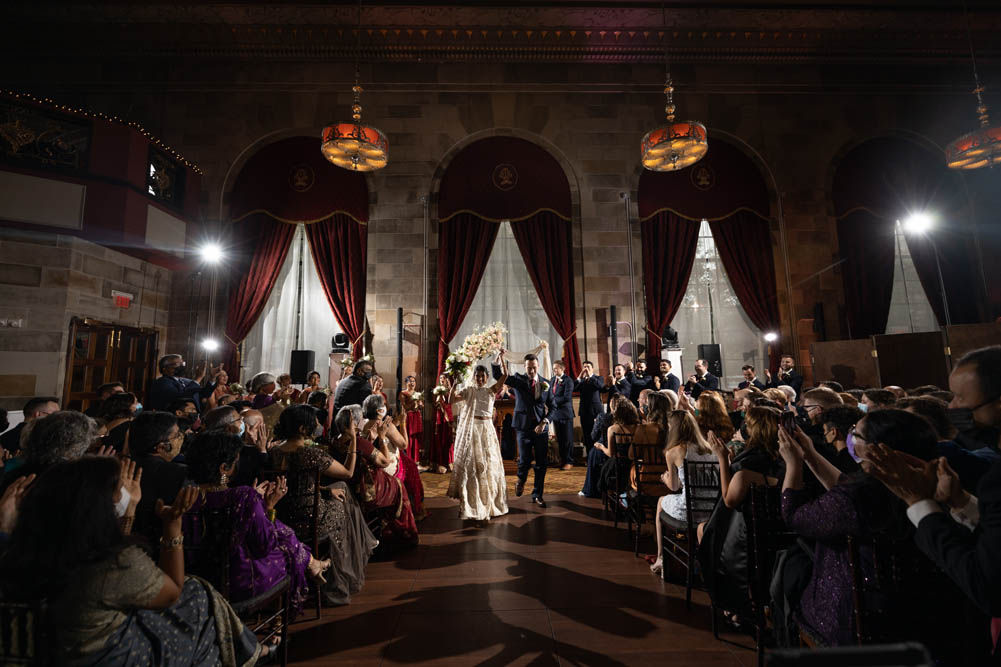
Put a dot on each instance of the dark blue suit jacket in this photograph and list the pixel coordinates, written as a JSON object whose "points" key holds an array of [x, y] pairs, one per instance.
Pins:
{"points": [[562, 398], [638, 384], [166, 389], [590, 395], [528, 410], [757, 383], [623, 387], [672, 382], [709, 382]]}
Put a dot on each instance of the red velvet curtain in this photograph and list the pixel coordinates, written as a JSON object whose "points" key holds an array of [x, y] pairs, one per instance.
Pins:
{"points": [[546, 241], [464, 245], [339, 246], [744, 243], [247, 298], [669, 243], [866, 245]]}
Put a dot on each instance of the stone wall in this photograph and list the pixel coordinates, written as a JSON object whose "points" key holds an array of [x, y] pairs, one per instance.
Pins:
{"points": [[45, 281]]}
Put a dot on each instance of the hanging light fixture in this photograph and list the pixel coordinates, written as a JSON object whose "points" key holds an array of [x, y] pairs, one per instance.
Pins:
{"points": [[675, 145], [982, 147], [354, 145]]}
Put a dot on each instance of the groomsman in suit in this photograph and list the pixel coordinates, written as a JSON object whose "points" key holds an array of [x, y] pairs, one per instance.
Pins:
{"points": [[666, 379], [701, 380], [533, 402], [589, 386], [787, 375], [638, 381], [750, 379], [619, 385], [562, 415]]}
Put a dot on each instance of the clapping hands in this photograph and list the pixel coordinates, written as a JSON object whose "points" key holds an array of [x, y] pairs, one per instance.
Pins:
{"points": [[908, 477], [11, 501], [183, 503]]}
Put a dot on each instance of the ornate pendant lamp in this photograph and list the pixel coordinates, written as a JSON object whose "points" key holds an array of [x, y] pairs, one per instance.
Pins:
{"points": [[982, 147], [678, 145], [354, 145]]}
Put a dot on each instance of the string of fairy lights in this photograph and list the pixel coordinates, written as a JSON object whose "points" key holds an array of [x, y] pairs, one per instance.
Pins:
{"points": [[47, 102]]}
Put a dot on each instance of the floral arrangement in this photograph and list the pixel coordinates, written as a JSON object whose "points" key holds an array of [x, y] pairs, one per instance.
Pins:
{"points": [[483, 342], [369, 358], [237, 388], [417, 396], [347, 361], [440, 390]]}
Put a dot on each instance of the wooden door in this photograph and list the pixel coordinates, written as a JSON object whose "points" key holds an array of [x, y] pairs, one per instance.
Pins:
{"points": [[100, 353]]}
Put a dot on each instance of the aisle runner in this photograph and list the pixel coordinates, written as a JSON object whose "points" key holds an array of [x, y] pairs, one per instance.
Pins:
{"points": [[557, 481]]}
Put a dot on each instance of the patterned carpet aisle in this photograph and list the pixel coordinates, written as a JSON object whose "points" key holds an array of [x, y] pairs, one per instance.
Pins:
{"points": [[558, 482]]}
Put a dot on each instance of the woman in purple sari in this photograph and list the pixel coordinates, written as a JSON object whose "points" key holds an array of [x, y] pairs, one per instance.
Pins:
{"points": [[262, 388], [263, 549]]}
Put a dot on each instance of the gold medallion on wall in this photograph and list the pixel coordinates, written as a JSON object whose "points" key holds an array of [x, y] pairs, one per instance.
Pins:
{"points": [[505, 177], [301, 178], [703, 177]]}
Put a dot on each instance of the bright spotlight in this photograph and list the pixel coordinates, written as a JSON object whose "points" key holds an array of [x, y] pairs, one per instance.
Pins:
{"points": [[771, 337], [210, 345], [211, 253], [918, 223]]}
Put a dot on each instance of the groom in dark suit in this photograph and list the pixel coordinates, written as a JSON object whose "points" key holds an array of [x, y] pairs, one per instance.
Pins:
{"points": [[532, 403]]}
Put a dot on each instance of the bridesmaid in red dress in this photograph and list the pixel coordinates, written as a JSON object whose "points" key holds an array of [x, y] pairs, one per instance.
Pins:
{"points": [[413, 408], [443, 442]]}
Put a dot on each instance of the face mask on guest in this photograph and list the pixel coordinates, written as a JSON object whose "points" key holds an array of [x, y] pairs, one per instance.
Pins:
{"points": [[243, 429], [850, 442], [123, 502], [180, 371], [863, 407], [139, 408], [381, 411]]}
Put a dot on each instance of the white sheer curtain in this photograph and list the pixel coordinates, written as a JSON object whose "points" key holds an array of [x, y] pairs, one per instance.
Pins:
{"points": [[506, 294], [739, 340], [268, 347], [910, 311]]}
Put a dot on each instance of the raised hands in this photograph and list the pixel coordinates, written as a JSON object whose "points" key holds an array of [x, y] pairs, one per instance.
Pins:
{"points": [[128, 479], [790, 448], [909, 478], [11, 501], [183, 503]]}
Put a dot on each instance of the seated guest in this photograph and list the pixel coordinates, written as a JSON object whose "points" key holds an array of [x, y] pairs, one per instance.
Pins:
{"points": [[220, 390], [817, 401], [107, 601], [848, 399], [857, 394], [877, 399], [172, 384], [701, 380], [597, 457], [313, 384], [61, 436], [946, 396], [653, 428], [777, 395], [969, 464], [401, 466], [837, 423], [672, 396], [186, 412], [898, 392], [833, 385], [36, 408], [723, 538], [154, 442], [338, 517], [643, 402], [354, 388], [118, 411], [254, 455], [263, 550], [855, 505], [789, 392], [285, 393], [750, 378], [684, 443], [382, 495], [625, 421], [103, 392], [712, 417], [262, 388]]}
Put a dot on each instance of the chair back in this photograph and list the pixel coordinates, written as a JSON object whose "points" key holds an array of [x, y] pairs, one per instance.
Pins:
{"points": [[702, 491], [22, 633], [620, 444], [208, 537], [649, 465], [300, 508], [766, 536]]}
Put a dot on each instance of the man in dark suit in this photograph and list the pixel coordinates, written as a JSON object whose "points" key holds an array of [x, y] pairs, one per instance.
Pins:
{"points": [[750, 379], [638, 381], [36, 408], [589, 387], [533, 402], [355, 388], [666, 379], [172, 384], [103, 392], [701, 380], [965, 542], [619, 384], [562, 415], [787, 375], [155, 440]]}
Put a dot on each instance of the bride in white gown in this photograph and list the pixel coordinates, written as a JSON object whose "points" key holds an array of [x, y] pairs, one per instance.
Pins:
{"points": [[478, 471]]}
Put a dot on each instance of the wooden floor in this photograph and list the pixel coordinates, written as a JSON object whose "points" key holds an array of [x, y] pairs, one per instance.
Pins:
{"points": [[537, 587]]}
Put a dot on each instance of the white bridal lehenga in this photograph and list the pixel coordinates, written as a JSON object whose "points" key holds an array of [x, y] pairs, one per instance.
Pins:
{"points": [[478, 471]]}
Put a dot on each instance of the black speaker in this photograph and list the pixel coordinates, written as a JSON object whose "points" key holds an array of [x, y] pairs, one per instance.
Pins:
{"points": [[301, 365], [711, 354], [340, 343]]}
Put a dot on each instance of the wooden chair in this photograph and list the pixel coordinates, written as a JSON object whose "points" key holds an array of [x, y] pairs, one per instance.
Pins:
{"points": [[766, 535], [702, 491], [208, 537], [303, 492], [612, 498], [23, 638], [648, 467]]}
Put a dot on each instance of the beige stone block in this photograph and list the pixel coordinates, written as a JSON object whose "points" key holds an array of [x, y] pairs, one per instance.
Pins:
{"points": [[17, 385], [102, 268], [20, 340], [19, 274], [13, 297], [34, 254]]}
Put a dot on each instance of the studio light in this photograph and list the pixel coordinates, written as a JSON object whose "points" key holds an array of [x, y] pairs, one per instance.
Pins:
{"points": [[211, 253], [918, 223], [210, 345], [771, 337]]}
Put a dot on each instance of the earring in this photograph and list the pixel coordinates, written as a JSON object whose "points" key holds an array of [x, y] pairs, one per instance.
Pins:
{"points": [[224, 480]]}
